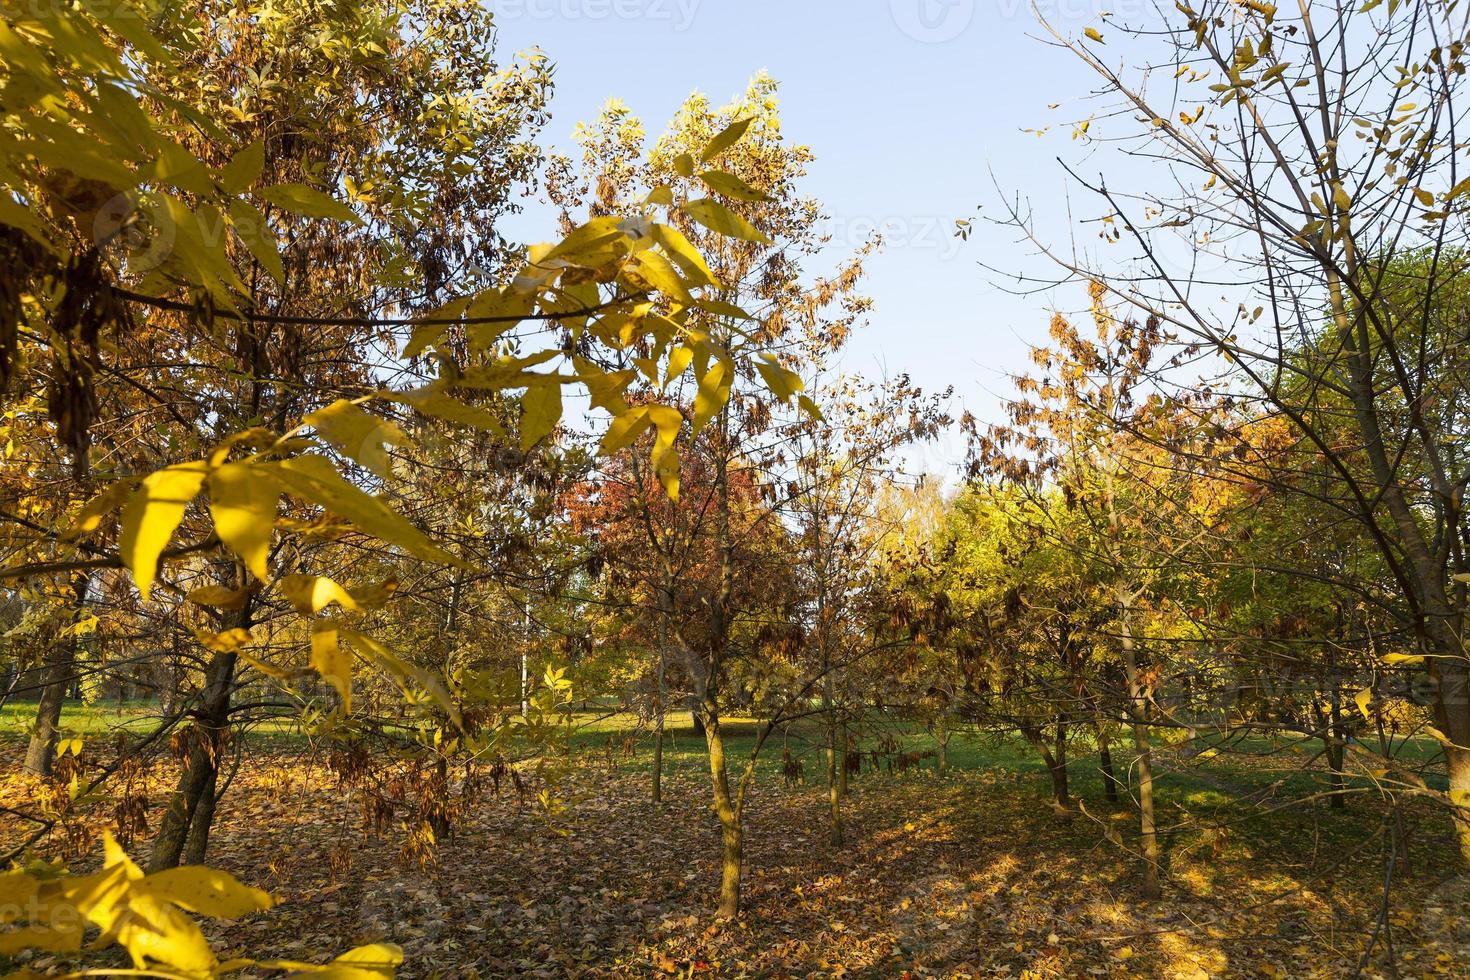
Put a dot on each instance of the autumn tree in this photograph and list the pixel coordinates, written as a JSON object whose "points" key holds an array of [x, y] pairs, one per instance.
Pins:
{"points": [[1316, 165]]}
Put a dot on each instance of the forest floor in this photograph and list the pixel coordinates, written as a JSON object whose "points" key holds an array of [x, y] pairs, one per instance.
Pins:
{"points": [[966, 874]]}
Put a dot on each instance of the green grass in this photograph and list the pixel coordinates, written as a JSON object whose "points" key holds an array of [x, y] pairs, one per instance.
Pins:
{"points": [[106, 719], [1251, 765]]}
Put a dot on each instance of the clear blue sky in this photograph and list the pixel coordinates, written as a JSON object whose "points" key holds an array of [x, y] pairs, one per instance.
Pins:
{"points": [[916, 111]]}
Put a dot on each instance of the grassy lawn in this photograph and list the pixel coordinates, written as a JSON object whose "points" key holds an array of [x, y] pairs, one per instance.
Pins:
{"points": [[108, 718]]}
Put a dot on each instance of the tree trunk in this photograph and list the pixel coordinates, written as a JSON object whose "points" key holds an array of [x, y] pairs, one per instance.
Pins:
{"points": [[1055, 766], [1105, 762], [201, 764], [728, 813], [844, 744], [1059, 788], [1138, 708], [200, 823], [660, 695], [1148, 832], [658, 755], [57, 674]]}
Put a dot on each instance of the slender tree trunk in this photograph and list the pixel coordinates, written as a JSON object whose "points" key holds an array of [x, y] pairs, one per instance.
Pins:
{"points": [[731, 856], [659, 696], [1056, 766], [202, 820], [1142, 744], [1105, 762], [844, 744], [834, 787], [658, 752], [57, 674], [201, 765], [941, 736], [1061, 793]]}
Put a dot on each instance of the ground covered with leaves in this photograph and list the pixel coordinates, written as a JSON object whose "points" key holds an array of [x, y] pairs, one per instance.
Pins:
{"points": [[968, 874]]}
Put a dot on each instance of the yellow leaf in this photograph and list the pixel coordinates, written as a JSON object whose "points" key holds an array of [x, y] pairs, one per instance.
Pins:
{"points": [[152, 514], [732, 186], [624, 430], [89, 518], [718, 218], [684, 254], [334, 663], [269, 670], [405, 673], [1362, 700], [316, 479], [659, 273], [255, 232], [242, 502], [1094, 34], [540, 412], [227, 642], [679, 359], [726, 138], [310, 594], [665, 461], [433, 402], [206, 891], [308, 201], [219, 597], [357, 434], [714, 392], [244, 168], [782, 383], [376, 962]]}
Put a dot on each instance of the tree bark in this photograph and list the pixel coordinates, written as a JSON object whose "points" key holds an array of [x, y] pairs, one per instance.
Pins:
{"points": [[201, 764], [202, 820], [1105, 762], [57, 675], [1142, 744], [731, 856]]}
